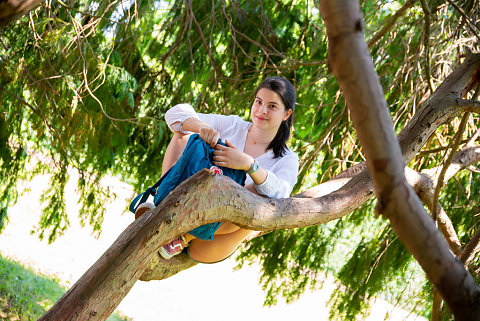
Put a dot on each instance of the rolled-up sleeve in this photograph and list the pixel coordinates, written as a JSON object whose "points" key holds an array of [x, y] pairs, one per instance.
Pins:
{"points": [[177, 115], [280, 178]]}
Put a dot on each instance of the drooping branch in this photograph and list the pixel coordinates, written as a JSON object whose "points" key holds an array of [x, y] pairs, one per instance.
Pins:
{"points": [[471, 25], [390, 23], [351, 63], [440, 180], [426, 43], [217, 71]]}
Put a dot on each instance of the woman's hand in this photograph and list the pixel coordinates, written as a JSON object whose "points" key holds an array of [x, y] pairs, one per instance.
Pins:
{"points": [[231, 157], [209, 135]]}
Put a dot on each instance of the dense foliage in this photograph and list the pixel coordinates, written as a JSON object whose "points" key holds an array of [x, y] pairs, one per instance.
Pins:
{"points": [[84, 86]]}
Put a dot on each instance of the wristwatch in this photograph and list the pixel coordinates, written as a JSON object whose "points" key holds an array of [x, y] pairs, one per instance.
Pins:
{"points": [[254, 167]]}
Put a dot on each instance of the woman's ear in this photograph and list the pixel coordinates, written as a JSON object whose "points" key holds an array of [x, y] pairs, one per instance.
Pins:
{"points": [[287, 114]]}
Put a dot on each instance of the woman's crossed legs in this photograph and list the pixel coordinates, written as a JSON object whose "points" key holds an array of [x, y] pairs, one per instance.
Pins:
{"points": [[228, 236]]}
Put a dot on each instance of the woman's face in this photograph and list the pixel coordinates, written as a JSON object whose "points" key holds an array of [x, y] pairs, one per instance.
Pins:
{"points": [[268, 110]]}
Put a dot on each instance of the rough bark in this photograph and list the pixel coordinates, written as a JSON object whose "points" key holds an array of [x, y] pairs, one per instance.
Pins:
{"points": [[424, 187], [11, 10], [351, 63], [185, 208]]}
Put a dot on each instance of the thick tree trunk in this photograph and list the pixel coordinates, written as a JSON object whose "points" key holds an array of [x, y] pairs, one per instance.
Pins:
{"points": [[351, 63], [96, 294]]}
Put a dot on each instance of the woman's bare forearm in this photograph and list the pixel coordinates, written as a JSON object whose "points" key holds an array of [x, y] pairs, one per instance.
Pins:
{"points": [[193, 124]]}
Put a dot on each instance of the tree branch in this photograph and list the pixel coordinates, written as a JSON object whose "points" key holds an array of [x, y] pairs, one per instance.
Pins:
{"points": [[426, 44], [182, 210], [455, 143], [469, 105], [11, 10], [467, 19], [390, 23], [471, 249], [352, 64]]}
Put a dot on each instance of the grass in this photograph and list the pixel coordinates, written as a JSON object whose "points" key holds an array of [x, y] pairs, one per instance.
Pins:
{"points": [[27, 295]]}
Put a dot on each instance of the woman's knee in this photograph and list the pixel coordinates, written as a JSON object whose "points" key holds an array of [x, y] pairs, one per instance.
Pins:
{"points": [[227, 228], [174, 150]]}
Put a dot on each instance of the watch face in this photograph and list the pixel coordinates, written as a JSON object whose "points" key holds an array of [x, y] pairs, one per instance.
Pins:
{"points": [[253, 167]]}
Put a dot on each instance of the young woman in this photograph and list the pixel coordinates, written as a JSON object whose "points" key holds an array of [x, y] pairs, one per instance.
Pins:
{"points": [[258, 147]]}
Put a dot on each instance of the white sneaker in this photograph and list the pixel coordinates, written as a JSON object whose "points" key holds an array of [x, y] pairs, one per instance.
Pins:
{"points": [[142, 208], [173, 248]]}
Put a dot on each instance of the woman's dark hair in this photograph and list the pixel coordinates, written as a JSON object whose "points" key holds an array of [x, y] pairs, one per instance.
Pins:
{"points": [[287, 93]]}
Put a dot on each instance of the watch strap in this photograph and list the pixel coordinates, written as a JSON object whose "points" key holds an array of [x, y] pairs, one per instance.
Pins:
{"points": [[254, 167]]}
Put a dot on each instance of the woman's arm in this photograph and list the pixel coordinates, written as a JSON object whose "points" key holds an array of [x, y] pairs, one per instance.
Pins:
{"points": [[232, 157], [207, 133], [281, 177], [182, 118]]}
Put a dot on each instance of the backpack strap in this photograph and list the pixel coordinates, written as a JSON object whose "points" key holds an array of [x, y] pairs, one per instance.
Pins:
{"points": [[142, 198], [173, 174], [182, 165]]}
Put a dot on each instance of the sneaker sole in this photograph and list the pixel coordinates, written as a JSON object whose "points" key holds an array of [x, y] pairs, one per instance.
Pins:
{"points": [[163, 253], [167, 256], [142, 209]]}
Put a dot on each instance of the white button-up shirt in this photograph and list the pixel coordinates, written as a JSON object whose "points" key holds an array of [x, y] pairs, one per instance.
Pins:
{"points": [[282, 171]]}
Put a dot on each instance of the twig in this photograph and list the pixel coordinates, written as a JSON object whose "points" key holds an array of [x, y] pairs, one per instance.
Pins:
{"points": [[38, 112], [438, 149], [319, 143], [436, 306], [178, 41], [474, 137], [3, 44], [474, 169], [89, 14], [389, 24], [205, 45], [192, 64], [471, 249], [426, 42], [454, 146], [234, 32], [467, 19]]}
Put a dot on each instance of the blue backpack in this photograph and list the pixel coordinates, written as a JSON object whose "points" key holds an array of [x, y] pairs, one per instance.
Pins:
{"points": [[196, 156]]}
